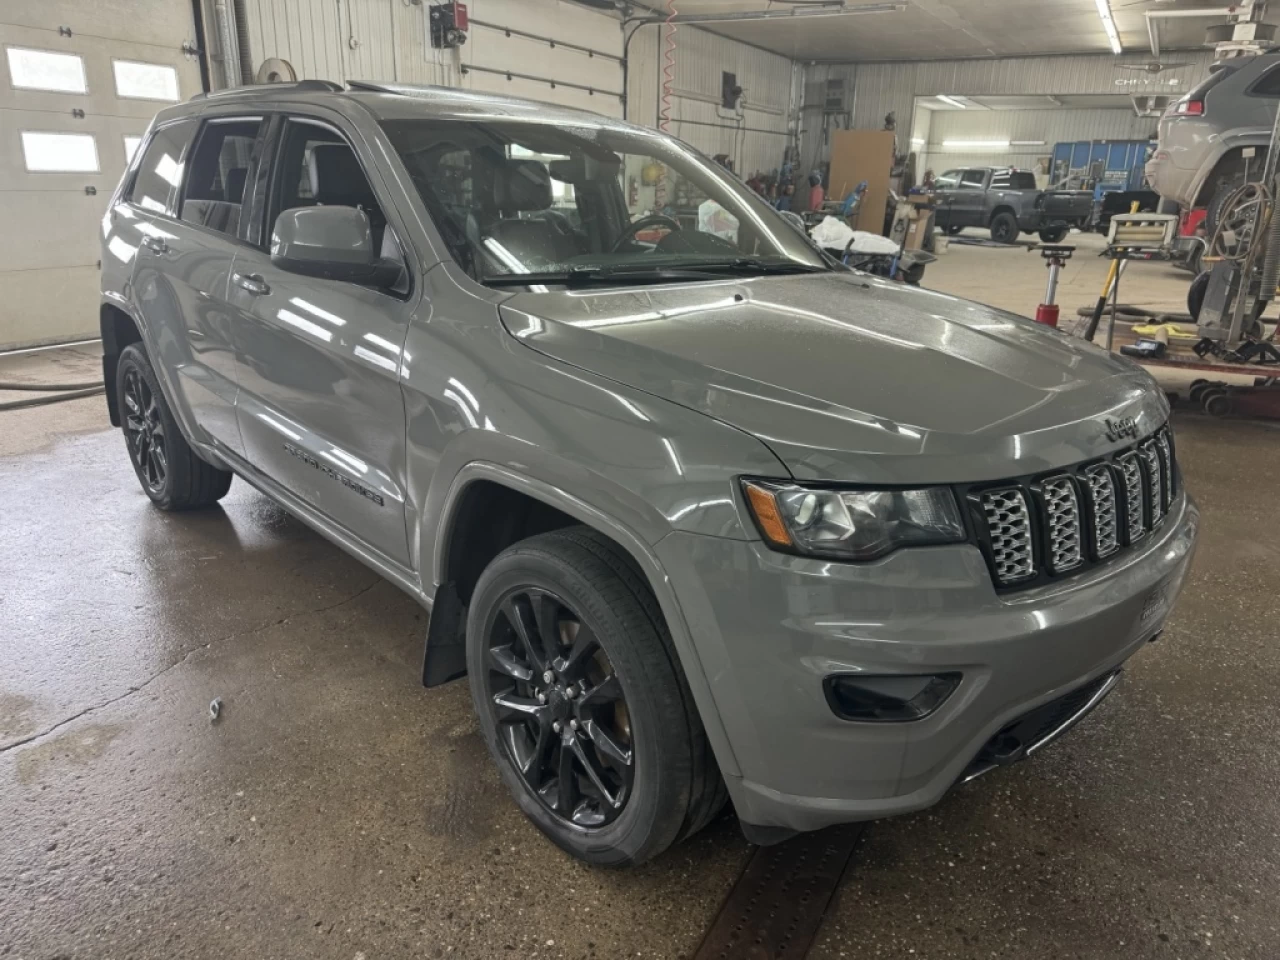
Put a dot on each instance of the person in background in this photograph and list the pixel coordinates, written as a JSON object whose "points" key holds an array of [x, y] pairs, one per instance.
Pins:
{"points": [[816, 194], [784, 201]]}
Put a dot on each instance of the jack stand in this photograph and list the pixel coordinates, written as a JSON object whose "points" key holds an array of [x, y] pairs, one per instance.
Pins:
{"points": [[1056, 257]]}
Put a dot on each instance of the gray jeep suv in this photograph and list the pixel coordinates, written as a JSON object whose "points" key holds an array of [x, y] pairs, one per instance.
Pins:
{"points": [[701, 514]]}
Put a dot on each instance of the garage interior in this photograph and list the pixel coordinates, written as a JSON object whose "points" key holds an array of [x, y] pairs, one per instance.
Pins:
{"points": [[214, 738]]}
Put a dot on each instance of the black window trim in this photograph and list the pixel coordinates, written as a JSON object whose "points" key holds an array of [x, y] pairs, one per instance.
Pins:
{"points": [[271, 183]]}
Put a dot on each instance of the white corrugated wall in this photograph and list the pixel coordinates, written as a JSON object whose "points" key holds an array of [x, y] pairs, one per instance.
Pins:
{"points": [[1051, 126], [388, 40], [881, 88]]}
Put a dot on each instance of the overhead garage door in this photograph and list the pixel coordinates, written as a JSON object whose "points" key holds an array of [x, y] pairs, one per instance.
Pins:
{"points": [[79, 82]]}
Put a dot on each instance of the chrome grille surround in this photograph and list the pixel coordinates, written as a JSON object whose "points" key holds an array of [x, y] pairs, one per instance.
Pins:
{"points": [[1135, 508], [1155, 480], [1009, 528], [1034, 530], [1101, 485], [1062, 507]]}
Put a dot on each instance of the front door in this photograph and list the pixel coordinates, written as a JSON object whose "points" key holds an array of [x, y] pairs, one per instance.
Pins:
{"points": [[320, 406]]}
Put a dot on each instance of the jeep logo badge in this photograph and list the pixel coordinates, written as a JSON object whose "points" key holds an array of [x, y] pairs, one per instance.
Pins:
{"points": [[1121, 428]]}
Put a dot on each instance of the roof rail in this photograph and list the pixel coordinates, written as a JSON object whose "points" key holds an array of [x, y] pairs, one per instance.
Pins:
{"points": [[371, 86], [319, 86]]}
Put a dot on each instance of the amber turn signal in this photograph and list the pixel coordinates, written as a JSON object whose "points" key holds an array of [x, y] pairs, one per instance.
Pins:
{"points": [[765, 508]]}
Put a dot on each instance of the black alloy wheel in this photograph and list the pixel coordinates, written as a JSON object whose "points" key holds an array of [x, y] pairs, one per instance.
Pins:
{"points": [[144, 429], [559, 708]]}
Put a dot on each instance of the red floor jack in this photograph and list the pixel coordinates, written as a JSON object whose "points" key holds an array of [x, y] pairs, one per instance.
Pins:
{"points": [[1056, 256]]}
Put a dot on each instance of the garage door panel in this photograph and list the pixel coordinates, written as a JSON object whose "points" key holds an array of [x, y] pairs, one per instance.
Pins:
{"points": [[158, 23], [53, 230], [108, 135], [130, 53], [48, 305], [98, 59]]}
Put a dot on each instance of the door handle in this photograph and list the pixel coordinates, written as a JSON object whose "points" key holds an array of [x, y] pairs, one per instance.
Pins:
{"points": [[155, 244], [252, 282]]}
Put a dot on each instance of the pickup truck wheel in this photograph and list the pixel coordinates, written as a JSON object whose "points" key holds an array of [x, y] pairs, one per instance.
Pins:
{"points": [[582, 703], [954, 230], [168, 469], [1054, 234], [1004, 228]]}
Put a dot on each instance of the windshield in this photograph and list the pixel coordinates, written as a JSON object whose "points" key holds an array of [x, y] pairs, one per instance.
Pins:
{"points": [[514, 198]]}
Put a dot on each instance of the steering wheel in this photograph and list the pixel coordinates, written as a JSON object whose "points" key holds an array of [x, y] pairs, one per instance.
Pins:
{"points": [[653, 220]]}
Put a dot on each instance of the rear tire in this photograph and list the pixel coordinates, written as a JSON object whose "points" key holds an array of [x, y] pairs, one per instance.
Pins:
{"points": [[170, 472], [583, 582], [1004, 228], [954, 230]]}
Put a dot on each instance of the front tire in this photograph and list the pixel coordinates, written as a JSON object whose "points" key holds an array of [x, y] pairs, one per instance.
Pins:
{"points": [[170, 472], [1004, 228], [582, 702]]}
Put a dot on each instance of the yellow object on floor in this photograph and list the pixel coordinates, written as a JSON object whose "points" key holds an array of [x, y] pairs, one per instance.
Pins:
{"points": [[1174, 331]]}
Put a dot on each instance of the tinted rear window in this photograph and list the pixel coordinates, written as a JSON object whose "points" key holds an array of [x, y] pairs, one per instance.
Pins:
{"points": [[1014, 180], [1268, 85]]}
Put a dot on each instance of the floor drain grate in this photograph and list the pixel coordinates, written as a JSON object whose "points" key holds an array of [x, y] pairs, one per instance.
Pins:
{"points": [[773, 911]]}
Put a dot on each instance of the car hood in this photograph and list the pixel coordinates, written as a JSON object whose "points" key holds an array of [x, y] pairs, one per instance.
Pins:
{"points": [[850, 378]]}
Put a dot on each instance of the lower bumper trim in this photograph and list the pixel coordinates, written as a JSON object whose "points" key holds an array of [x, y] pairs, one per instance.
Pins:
{"points": [[1040, 727]]}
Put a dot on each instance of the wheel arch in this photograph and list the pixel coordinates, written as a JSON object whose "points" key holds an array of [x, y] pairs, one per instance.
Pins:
{"points": [[479, 484], [1229, 162], [119, 330], [1003, 208]]}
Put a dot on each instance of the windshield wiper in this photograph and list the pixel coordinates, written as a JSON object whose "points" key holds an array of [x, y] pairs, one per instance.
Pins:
{"points": [[585, 276], [644, 273]]}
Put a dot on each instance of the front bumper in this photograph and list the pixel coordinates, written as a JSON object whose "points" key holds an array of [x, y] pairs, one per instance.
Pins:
{"points": [[769, 627]]}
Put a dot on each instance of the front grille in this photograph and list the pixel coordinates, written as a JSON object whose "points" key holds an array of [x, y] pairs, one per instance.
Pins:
{"points": [[1036, 529]]}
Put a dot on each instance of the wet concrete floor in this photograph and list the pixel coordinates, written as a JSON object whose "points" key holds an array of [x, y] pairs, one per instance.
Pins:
{"points": [[338, 810]]}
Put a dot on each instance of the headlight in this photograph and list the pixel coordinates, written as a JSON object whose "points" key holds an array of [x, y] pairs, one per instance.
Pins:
{"points": [[852, 524]]}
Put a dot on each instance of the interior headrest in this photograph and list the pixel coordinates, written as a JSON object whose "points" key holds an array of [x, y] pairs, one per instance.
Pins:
{"points": [[336, 176], [527, 186], [233, 186]]}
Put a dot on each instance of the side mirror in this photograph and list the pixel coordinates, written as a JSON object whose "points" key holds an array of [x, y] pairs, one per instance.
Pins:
{"points": [[331, 243]]}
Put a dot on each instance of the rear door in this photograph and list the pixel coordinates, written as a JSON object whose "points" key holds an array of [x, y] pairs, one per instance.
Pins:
{"points": [[944, 189], [80, 80], [968, 208], [183, 265], [320, 408]]}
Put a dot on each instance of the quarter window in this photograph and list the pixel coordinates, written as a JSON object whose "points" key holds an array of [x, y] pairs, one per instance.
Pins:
{"points": [[219, 169], [161, 168], [46, 70]]}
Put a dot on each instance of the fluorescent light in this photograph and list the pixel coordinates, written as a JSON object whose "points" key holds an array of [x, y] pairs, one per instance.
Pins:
{"points": [[977, 144], [951, 100], [1109, 25], [1026, 143]]}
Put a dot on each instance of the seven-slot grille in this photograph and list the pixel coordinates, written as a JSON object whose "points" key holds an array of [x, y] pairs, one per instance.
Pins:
{"points": [[1035, 529]]}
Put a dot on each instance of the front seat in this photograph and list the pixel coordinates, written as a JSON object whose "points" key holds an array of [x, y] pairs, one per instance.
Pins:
{"points": [[337, 179], [524, 186]]}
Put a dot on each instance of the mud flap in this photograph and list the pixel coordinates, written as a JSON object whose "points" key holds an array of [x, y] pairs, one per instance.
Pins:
{"points": [[445, 655]]}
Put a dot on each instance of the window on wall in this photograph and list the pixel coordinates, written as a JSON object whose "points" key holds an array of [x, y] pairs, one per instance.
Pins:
{"points": [[46, 70], [219, 168], [161, 167], [145, 81], [60, 152]]}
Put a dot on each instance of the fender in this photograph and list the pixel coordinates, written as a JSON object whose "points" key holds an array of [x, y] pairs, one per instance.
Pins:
{"points": [[637, 546]]}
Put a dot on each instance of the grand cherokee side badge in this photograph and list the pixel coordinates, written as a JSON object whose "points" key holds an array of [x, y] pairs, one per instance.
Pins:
{"points": [[1121, 428]]}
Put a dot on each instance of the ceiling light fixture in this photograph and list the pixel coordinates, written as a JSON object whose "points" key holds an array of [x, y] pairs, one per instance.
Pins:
{"points": [[951, 100], [795, 13], [977, 144], [1026, 143], [1109, 25]]}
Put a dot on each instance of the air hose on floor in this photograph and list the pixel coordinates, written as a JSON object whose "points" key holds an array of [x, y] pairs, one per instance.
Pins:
{"points": [[63, 391]]}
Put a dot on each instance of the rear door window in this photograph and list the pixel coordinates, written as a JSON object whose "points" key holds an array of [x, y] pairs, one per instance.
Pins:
{"points": [[217, 173], [1013, 180], [973, 179], [160, 172]]}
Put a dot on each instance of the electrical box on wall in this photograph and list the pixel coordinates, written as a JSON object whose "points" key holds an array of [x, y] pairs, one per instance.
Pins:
{"points": [[730, 92], [449, 25]]}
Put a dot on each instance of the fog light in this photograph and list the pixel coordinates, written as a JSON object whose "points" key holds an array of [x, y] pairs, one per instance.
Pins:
{"points": [[888, 699]]}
